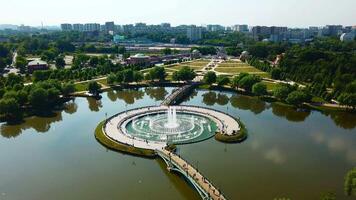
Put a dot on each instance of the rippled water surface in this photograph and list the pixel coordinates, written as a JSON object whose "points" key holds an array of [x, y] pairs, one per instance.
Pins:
{"points": [[289, 153]]}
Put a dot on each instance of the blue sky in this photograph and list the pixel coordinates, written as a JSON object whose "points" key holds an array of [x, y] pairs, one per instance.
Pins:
{"points": [[293, 13]]}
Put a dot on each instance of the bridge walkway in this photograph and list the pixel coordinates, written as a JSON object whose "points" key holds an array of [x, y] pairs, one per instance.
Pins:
{"points": [[204, 187]]}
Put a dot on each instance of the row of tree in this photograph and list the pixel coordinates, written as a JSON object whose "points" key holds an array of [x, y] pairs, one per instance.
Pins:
{"points": [[38, 98]]}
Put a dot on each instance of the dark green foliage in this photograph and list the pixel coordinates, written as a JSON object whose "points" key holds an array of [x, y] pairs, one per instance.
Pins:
{"points": [[298, 97], [94, 87], [350, 183], [281, 91], [157, 73], [222, 80], [209, 78], [259, 89], [184, 74]]}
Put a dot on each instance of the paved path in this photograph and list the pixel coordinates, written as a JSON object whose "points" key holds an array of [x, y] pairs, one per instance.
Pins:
{"points": [[115, 126], [194, 174]]}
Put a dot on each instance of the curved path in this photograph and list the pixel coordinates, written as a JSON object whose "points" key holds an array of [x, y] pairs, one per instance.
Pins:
{"points": [[114, 127]]}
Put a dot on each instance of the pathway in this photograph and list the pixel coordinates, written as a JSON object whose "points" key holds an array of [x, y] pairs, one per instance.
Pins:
{"points": [[204, 187]]}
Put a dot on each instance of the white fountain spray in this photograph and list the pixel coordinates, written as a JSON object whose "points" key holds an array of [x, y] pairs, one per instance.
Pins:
{"points": [[171, 118]]}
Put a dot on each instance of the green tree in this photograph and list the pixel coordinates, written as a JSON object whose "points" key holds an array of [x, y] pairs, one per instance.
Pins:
{"points": [[184, 74], [21, 64], [248, 81], [38, 98], [222, 80], [259, 89], [111, 79], [68, 88], [94, 87], [348, 99], [60, 63], [276, 73], [167, 51], [236, 79], [209, 78], [297, 98], [350, 183], [137, 76], [282, 91], [157, 73], [10, 108]]}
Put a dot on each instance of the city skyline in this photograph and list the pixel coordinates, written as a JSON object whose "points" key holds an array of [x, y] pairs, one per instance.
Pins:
{"points": [[271, 13]]}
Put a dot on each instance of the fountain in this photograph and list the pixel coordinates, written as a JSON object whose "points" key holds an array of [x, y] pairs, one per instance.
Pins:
{"points": [[171, 124], [172, 118]]}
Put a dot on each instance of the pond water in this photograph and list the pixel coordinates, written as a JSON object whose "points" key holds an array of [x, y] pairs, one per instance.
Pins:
{"points": [[297, 155]]}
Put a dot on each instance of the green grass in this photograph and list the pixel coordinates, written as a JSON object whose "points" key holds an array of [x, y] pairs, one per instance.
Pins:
{"points": [[103, 81], [237, 65], [237, 138], [236, 70], [80, 87], [105, 141], [270, 85]]}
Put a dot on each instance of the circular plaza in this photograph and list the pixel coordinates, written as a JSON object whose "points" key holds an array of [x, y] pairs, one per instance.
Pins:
{"points": [[156, 127]]}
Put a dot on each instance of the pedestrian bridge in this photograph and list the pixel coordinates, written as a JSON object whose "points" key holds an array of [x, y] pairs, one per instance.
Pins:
{"points": [[177, 95], [202, 185]]}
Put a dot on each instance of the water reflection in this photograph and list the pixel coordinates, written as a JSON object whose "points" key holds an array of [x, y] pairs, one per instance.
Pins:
{"points": [[94, 105], [337, 144], [157, 94], [211, 98], [248, 103], [40, 124], [130, 96], [343, 119], [71, 107], [290, 113]]}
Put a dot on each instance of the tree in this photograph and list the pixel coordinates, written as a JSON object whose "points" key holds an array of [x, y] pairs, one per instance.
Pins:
{"points": [[297, 98], [60, 63], [137, 76], [128, 75], [157, 73], [282, 91], [167, 51], [94, 61], [350, 183], [348, 99], [38, 98], [248, 81], [21, 64], [10, 108], [94, 87], [276, 73], [68, 88], [209, 78], [222, 80], [111, 79], [259, 89], [184, 74], [236, 79]]}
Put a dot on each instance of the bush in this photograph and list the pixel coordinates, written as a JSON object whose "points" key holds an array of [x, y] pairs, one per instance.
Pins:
{"points": [[259, 89]]}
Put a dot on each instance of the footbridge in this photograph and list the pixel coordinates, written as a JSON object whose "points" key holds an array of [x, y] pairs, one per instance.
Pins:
{"points": [[178, 95], [205, 188]]}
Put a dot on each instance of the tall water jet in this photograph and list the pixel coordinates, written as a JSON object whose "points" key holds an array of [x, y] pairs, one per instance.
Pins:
{"points": [[171, 118]]}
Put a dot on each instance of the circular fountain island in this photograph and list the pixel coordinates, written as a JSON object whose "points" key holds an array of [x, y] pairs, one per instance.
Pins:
{"points": [[145, 130]]}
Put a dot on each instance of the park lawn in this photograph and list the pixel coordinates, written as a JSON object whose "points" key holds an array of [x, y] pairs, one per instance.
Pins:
{"points": [[80, 87], [178, 67], [237, 65], [103, 81], [236, 70], [270, 85]]}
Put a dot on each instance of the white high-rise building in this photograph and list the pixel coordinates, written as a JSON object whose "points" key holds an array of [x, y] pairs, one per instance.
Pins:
{"points": [[194, 33]]}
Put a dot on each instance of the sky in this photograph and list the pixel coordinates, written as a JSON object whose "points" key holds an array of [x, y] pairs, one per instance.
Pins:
{"points": [[291, 13]]}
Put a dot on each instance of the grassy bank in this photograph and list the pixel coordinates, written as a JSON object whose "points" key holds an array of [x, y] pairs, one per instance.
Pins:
{"points": [[110, 144], [237, 138]]}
